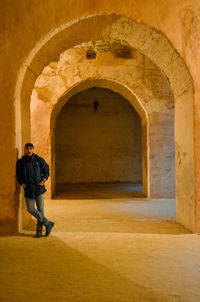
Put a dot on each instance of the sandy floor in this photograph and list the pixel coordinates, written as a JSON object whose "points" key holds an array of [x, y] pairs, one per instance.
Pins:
{"points": [[114, 249]]}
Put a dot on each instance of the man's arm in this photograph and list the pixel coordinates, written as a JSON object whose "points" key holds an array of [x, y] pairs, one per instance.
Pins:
{"points": [[45, 169]]}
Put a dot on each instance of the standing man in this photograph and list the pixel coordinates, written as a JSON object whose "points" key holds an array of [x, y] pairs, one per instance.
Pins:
{"points": [[32, 172]]}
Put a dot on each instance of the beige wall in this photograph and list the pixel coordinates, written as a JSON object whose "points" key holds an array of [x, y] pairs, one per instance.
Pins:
{"points": [[162, 155], [101, 147]]}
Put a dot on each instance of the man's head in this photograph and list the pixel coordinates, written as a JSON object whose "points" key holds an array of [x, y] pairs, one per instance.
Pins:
{"points": [[28, 149]]}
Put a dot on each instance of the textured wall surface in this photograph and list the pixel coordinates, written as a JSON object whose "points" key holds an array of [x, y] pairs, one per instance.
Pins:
{"points": [[162, 154], [101, 147]]}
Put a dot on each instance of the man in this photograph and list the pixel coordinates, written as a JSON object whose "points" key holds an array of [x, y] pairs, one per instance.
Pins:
{"points": [[32, 172]]}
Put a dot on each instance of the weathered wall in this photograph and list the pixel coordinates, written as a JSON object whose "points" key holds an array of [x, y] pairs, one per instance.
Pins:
{"points": [[101, 147], [23, 23], [162, 154]]}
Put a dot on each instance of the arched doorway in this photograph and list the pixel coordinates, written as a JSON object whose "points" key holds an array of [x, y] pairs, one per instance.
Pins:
{"points": [[98, 140]]}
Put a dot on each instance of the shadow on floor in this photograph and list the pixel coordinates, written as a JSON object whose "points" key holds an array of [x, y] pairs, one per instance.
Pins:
{"points": [[98, 191], [49, 270]]}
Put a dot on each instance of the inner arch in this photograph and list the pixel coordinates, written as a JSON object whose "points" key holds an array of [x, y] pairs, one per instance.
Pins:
{"points": [[124, 91], [98, 140]]}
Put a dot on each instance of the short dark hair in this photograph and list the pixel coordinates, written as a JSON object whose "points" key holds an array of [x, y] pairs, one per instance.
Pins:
{"points": [[29, 145]]}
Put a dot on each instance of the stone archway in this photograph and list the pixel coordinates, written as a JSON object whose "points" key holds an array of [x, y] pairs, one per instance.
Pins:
{"points": [[98, 143], [153, 101], [152, 44], [123, 91], [47, 137]]}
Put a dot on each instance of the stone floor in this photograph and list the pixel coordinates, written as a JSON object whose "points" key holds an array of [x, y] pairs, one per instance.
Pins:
{"points": [[116, 248]]}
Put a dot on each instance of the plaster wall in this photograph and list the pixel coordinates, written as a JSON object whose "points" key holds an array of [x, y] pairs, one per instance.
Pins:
{"points": [[162, 154], [98, 147]]}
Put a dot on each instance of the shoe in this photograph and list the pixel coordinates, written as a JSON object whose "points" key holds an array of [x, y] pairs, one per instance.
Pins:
{"points": [[38, 234], [39, 229], [49, 228]]}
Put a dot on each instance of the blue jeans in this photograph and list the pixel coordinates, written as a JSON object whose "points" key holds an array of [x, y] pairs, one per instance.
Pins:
{"points": [[39, 212]]}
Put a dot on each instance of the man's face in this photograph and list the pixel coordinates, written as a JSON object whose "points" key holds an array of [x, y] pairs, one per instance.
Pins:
{"points": [[29, 150]]}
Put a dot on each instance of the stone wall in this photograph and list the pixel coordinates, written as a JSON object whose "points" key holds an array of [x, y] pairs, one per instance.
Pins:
{"points": [[162, 155]]}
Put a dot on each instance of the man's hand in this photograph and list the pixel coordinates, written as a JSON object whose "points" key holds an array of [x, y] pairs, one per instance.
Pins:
{"points": [[41, 183], [24, 186]]}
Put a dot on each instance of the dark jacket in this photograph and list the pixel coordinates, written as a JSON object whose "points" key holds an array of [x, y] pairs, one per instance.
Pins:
{"points": [[30, 171]]}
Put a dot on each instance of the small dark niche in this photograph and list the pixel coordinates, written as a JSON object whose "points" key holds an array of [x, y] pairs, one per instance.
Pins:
{"points": [[91, 54], [125, 53]]}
